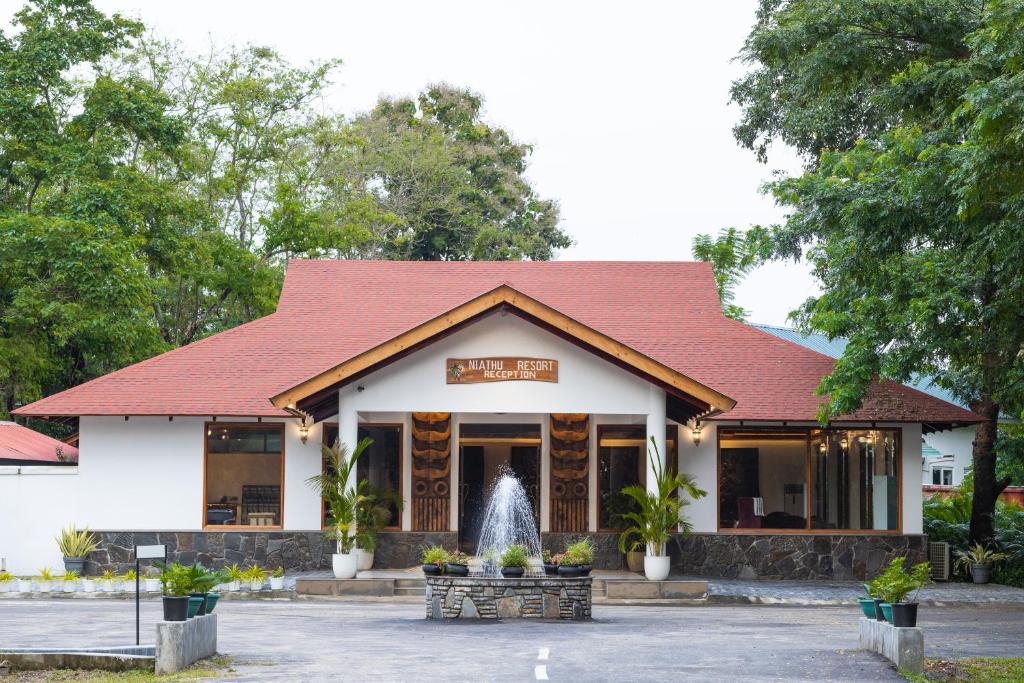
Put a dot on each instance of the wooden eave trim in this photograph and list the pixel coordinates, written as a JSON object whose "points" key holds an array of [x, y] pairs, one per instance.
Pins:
{"points": [[479, 305]]}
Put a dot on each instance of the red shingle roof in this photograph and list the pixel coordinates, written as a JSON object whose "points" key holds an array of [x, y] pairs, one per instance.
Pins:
{"points": [[24, 444], [330, 311]]}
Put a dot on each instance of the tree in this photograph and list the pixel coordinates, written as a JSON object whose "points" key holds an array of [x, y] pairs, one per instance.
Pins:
{"points": [[731, 256], [909, 118]]}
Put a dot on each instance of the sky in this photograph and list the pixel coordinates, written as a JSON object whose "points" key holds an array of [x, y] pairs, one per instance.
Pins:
{"points": [[626, 104]]}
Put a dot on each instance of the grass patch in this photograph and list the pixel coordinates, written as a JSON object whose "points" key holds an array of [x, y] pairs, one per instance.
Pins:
{"points": [[214, 667], [972, 670]]}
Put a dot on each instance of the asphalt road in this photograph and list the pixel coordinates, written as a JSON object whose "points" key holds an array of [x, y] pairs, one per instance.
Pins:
{"points": [[314, 641]]}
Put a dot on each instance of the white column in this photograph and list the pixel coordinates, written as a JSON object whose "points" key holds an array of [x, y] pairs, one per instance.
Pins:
{"points": [[348, 426], [406, 471], [655, 428], [545, 473]]}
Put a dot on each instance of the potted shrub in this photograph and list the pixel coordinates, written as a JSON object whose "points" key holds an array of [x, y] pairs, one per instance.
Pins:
{"points": [[372, 515], [514, 561], [344, 501], [457, 563], [70, 581], [75, 544], [255, 576], [88, 585], [867, 603], [233, 578], [550, 562], [107, 580], [277, 579], [202, 582], [433, 560], [25, 585], [895, 584], [7, 581], [658, 514], [128, 581], [44, 580], [979, 560], [577, 559], [176, 586], [152, 581]]}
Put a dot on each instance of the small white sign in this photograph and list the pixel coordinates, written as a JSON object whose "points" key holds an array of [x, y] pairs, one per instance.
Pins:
{"points": [[150, 552]]}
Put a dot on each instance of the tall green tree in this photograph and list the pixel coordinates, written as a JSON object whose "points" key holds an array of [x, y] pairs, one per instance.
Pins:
{"points": [[909, 117], [732, 255]]}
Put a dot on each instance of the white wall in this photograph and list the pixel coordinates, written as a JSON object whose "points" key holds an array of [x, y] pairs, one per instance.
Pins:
{"points": [[956, 442], [141, 474]]}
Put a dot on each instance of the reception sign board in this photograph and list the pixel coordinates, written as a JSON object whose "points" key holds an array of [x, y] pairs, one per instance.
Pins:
{"points": [[500, 369]]}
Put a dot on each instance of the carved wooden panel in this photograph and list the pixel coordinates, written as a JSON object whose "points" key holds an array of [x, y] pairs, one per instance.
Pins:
{"points": [[570, 465], [431, 471]]}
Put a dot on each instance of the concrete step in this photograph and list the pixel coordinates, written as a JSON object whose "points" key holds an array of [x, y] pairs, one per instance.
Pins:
{"points": [[411, 590], [366, 587], [410, 583], [642, 589]]}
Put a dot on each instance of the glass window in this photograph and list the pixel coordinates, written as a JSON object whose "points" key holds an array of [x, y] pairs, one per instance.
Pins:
{"points": [[855, 480], [243, 474], [621, 462], [380, 465], [762, 480], [942, 476]]}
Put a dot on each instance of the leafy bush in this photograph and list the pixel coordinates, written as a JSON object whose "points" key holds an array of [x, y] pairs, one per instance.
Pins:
{"points": [[457, 557], [233, 573], [71, 575], [579, 553], [515, 556], [896, 583], [977, 554], [278, 573], [255, 573], [435, 554]]}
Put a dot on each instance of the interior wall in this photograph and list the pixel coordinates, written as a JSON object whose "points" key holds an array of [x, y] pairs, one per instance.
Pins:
{"points": [[226, 473]]}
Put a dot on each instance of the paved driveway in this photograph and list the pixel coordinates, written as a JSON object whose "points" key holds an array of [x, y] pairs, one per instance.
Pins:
{"points": [[313, 641]]}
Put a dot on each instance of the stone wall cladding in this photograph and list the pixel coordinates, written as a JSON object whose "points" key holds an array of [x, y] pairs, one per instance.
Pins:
{"points": [[478, 597], [845, 557], [402, 549], [293, 550]]}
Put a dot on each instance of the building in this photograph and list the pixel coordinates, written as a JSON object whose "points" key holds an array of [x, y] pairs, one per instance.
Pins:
{"points": [[21, 446], [562, 372], [946, 456]]}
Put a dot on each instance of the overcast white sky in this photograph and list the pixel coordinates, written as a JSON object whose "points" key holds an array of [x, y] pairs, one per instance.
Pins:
{"points": [[625, 103]]}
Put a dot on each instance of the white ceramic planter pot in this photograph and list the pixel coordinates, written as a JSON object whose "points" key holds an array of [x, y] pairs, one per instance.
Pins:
{"points": [[24, 585], [256, 585], [128, 586], [107, 586], [88, 585], [70, 586], [152, 585], [364, 560], [234, 586], [345, 565], [44, 586], [276, 583], [656, 567], [4, 586]]}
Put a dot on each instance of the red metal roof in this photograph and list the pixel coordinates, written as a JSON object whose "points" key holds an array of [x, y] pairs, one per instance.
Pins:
{"points": [[22, 443], [330, 311]]}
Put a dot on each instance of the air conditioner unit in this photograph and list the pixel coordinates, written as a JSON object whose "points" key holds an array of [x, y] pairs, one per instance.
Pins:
{"points": [[938, 555]]}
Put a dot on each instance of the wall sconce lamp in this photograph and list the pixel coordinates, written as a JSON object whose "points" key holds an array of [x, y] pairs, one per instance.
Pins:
{"points": [[696, 432], [303, 430]]}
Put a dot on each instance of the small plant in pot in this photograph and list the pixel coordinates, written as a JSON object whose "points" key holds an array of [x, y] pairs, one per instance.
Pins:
{"points": [[867, 603], [128, 581], [457, 563], [233, 578], [6, 581], [177, 584], [578, 558], [433, 560], [70, 580], [657, 515], [344, 502], [151, 584], [75, 545], [255, 576], [277, 579], [372, 516], [45, 580], [514, 561], [978, 559], [107, 579], [550, 562], [895, 584], [202, 581], [88, 585]]}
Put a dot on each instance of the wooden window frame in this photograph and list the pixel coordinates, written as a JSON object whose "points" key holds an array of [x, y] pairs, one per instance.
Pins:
{"points": [[642, 462], [206, 454], [809, 434], [401, 466]]}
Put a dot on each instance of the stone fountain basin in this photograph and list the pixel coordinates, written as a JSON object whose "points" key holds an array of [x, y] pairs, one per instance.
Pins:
{"points": [[525, 597]]}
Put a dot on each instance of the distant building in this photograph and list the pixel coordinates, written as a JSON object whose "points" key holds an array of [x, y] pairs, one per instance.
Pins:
{"points": [[23, 446]]}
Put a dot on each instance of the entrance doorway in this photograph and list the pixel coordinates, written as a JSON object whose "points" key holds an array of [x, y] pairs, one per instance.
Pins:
{"points": [[485, 452]]}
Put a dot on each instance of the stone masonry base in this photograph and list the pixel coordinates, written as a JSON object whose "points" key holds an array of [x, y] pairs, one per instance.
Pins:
{"points": [[477, 597]]}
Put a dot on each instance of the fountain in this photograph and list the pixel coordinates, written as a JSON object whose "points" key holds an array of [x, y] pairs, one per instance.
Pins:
{"points": [[507, 521], [489, 595]]}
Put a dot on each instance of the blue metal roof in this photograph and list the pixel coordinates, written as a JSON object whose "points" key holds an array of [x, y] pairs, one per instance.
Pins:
{"points": [[928, 451], [835, 347]]}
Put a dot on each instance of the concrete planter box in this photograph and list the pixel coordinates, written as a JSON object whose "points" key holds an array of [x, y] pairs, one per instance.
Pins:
{"points": [[181, 643], [904, 647]]}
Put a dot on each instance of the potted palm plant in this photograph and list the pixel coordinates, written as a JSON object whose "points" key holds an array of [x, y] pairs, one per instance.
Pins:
{"points": [[979, 560], [372, 515], [255, 576], [277, 579], [514, 561], [433, 560], [177, 585], [658, 515], [895, 584], [70, 580], [75, 544], [343, 500], [233, 578], [107, 580], [45, 579]]}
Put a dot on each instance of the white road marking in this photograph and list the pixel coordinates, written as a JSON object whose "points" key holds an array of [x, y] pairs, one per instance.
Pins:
{"points": [[540, 672], [543, 656]]}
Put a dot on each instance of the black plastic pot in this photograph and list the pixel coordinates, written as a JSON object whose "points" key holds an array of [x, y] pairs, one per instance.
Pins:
{"points": [[980, 573], [879, 616], [175, 607], [551, 569], [202, 605], [904, 614], [570, 570], [585, 569], [510, 572], [456, 569], [431, 570]]}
